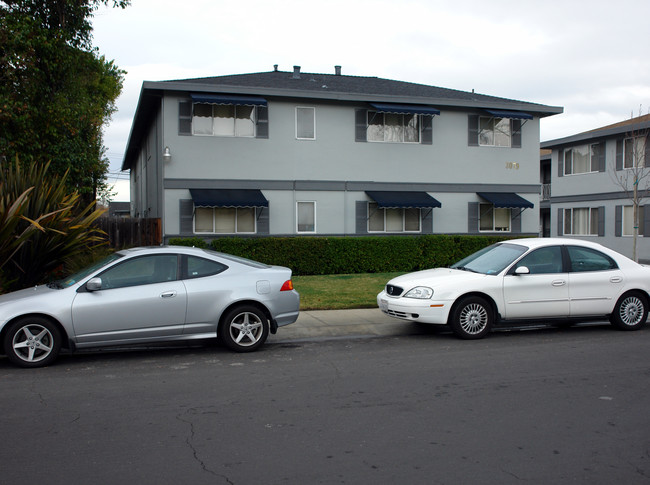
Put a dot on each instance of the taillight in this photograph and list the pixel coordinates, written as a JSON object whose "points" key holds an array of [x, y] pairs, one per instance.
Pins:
{"points": [[287, 286]]}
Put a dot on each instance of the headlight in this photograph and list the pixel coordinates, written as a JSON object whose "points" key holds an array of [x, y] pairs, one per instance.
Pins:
{"points": [[419, 292]]}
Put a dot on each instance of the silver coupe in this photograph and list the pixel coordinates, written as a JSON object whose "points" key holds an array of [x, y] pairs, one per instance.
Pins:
{"points": [[145, 295]]}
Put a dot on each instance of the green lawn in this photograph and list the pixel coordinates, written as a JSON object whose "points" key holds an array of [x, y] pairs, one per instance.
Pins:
{"points": [[337, 292]]}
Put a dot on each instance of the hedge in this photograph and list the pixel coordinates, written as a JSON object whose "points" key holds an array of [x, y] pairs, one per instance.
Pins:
{"points": [[348, 255]]}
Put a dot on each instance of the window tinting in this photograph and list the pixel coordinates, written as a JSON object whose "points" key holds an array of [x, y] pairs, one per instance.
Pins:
{"points": [[145, 270], [543, 261], [586, 259], [195, 267]]}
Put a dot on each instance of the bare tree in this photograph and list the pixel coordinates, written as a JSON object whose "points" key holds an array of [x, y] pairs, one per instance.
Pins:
{"points": [[632, 170]]}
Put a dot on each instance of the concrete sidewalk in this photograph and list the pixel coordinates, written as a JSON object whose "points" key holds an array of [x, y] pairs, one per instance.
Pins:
{"points": [[343, 323]]}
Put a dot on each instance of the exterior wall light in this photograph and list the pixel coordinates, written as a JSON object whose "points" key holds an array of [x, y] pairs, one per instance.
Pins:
{"points": [[167, 155]]}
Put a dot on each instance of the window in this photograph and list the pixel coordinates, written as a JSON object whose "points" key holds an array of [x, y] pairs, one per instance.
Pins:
{"points": [[581, 221], [223, 120], [224, 220], [581, 159], [393, 220], [306, 218], [305, 123], [145, 270], [543, 261], [634, 155], [628, 220], [393, 127], [196, 267], [586, 259], [493, 219], [495, 132]]}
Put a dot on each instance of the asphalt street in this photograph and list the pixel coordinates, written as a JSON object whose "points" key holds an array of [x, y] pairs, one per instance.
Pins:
{"points": [[362, 400]]}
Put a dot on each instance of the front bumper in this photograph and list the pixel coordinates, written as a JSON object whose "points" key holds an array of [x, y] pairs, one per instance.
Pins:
{"points": [[425, 311]]}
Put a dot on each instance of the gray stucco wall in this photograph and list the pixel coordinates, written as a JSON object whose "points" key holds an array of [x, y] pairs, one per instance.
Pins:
{"points": [[334, 170]]}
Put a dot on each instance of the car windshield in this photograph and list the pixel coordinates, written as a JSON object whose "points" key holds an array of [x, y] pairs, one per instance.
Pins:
{"points": [[491, 260], [78, 276]]}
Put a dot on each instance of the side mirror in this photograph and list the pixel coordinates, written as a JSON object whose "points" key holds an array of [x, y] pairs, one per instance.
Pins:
{"points": [[521, 270], [94, 284]]}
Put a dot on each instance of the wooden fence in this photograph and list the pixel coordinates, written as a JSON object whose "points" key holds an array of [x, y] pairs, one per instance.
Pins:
{"points": [[125, 232]]}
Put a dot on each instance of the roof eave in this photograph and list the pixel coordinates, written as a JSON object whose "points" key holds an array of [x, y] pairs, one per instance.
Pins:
{"points": [[596, 135]]}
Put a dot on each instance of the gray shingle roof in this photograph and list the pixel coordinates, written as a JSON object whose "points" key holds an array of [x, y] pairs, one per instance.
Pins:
{"points": [[361, 88]]}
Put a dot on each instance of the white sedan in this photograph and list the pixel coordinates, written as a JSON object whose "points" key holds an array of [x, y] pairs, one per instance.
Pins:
{"points": [[524, 279]]}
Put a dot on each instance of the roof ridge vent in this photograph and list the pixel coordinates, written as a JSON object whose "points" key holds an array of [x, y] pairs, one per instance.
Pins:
{"points": [[296, 72]]}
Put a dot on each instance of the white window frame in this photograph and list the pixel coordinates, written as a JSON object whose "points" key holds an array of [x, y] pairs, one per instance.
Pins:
{"points": [[373, 209], [494, 121], [237, 209], [637, 152], [570, 151], [627, 215], [313, 203], [305, 108], [484, 207], [372, 115], [570, 218], [234, 121]]}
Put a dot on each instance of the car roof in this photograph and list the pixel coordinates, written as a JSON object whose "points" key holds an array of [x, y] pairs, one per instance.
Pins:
{"points": [[538, 242]]}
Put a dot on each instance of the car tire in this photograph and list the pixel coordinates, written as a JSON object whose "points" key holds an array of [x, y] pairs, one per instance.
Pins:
{"points": [[471, 318], [244, 329], [32, 342], [630, 312]]}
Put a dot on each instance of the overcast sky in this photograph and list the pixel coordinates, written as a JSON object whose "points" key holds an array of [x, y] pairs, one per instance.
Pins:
{"points": [[588, 56]]}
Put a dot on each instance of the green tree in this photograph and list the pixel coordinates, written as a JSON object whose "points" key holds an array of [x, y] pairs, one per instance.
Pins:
{"points": [[56, 90]]}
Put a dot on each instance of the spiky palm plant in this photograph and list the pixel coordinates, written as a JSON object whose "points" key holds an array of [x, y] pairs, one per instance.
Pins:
{"points": [[42, 226]]}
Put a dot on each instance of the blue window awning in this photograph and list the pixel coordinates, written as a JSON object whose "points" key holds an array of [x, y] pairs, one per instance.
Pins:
{"points": [[403, 200], [506, 200], [405, 109], [515, 115], [239, 99], [228, 198]]}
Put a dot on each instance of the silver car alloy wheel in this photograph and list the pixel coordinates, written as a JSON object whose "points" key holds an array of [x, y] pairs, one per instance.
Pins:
{"points": [[246, 329], [473, 318], [631, 310], [33, 343]]}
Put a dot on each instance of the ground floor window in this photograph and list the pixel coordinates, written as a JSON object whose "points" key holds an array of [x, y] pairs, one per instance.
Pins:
{"points": [[224, 220], [306, 216], [581, 221], [628, 221], [494, 218], [393, 220]]}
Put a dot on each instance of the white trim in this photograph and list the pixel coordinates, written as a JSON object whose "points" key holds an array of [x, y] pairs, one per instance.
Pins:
{"points": [[298, 231], [314, 122]]}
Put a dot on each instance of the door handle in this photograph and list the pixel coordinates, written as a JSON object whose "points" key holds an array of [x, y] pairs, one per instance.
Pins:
{"points": [[616, 279], [168, 294], [558, 283]]}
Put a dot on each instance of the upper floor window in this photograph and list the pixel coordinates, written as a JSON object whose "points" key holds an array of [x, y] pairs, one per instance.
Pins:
{"points": [[305, 123], [581, 159], [494, 219], [393, 127], [635, 150], [223, 115], [495, 132], [393, 220], [503, 129], [581, 221], [223, 120], [395, 123]]}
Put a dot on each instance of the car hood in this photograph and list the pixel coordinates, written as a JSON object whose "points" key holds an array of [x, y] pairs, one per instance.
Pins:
{"points": [[435, 277], [16, 296]]}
